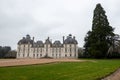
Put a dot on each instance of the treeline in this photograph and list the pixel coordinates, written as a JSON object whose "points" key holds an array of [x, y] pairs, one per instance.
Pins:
{"points": [[6, 52]]}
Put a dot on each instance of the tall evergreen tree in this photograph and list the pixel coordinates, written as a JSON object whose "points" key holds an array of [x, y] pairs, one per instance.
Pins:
{"points": [[99, 39]]}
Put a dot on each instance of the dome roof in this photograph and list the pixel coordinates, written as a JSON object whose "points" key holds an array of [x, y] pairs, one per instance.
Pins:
{"points": [[70, 40], [26, 40]]}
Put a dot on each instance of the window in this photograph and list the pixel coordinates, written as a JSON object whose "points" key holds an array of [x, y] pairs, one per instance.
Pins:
{"points": [[70, 50], [59, 55], [23, 55], [24, 49], [18, 49], [19, 55], [75, 50], [65, 55], [41, 50], [41, 55], [37, 55], [37, 50], [33, 55], [34, 50], [56, 50], [70, 55], [53, 55], [65, 50], [75, 55], [28, 55], [59, 50], [53, 50]]}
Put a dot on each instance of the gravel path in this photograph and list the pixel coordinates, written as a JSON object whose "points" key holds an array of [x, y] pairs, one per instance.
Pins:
{"points": [[114, 76], [16, 62]]}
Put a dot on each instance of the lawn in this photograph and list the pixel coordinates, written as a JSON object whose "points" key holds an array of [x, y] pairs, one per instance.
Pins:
{"points": [[61, 71]]}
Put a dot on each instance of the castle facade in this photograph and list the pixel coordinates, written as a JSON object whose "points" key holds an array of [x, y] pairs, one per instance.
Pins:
{"points": [[28, 48]]}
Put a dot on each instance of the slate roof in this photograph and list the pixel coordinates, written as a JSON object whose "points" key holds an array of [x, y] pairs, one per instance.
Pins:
{"points": [[57, 43], [47, 41], [38, 44]]}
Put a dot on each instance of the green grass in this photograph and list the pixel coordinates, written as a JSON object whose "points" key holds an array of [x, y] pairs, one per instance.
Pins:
{"points": [[61, 71]]}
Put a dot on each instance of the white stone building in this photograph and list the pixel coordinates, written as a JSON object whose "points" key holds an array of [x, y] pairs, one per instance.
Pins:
{"points": [[28, 48]]}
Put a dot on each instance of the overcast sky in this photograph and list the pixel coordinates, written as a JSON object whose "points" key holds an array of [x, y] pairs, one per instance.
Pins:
{"points": [[53, 18]]}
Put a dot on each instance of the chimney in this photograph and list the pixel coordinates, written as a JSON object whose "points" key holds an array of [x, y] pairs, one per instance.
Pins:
{"points": [[48, 38], [33, 39], [23, 37], [63, 39]]}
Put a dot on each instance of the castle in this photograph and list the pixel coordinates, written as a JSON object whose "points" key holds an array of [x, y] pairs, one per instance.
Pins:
{"points": [[28, 48]]}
